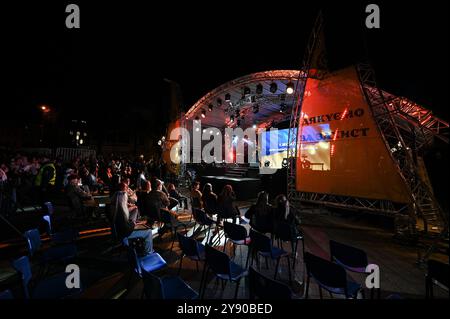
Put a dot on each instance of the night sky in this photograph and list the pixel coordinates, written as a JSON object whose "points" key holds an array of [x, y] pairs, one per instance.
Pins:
{"points": [[124, 50]]}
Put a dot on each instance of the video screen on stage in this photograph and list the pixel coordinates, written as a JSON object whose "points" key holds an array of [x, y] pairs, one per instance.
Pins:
{"points": [[314, 143]]}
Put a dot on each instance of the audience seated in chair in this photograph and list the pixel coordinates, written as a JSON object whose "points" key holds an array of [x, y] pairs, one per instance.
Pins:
{"points": [[261, 214], [196, 196], [76, 195], [225, 204], [173, 193], [124, 226], [209, 199]]}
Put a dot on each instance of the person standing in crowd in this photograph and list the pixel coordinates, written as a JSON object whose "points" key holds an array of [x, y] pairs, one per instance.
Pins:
{"points": [[46, 179], [196, 195], [125, 226], [261, 214]]}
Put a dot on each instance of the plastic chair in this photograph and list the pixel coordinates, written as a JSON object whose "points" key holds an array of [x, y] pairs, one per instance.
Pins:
{"points": [[203, 220], [170, 221], [62, 237], [191, 249], [50, 288], [236, 234], [284, 232], [351, 259], [148, 263], [34, 240], [52, 254], [262, 287], [262, 245], [167, 288], [222, 268], [329, 276]]}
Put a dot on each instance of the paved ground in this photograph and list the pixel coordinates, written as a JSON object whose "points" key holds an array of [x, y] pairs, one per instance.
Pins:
{"points": [[105, 271]]}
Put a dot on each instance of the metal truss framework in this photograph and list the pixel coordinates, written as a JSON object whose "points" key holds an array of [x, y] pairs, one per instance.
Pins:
{"points": [[417, 124], [294, 124], [424, 204], [384, 207], [240, 82]]}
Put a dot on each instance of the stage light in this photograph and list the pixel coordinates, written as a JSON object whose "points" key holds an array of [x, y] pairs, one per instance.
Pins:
{"points": [[197, 129], [227, 97], [204, 130], [290, 88], [254, 126], [246, 91], [81, 142], [203, 113], [259, 88], [218, 133], [210, 107], [219, 102], [210, 132], [273, 87]]}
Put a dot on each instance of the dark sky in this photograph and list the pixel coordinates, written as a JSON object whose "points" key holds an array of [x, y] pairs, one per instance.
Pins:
{"points": [[122, 52]]}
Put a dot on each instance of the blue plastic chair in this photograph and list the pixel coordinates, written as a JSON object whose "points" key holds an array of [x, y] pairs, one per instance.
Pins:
{"points": [[329, 276], [202, 219], [191, 249], [50, 288], [52, 254], [167, 288], [148, 263], [262, 287], [236, 234], [222, 267], [34, 240], [171, 222], [351, 259], [262, 245]]}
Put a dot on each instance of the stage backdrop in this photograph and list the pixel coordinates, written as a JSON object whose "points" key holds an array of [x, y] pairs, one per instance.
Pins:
{"points": [[342, 151]]}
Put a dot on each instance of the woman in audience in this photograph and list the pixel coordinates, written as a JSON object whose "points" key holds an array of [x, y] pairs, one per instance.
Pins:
{"points": [[284, 213], [209, 199], [260, 214], [225, 203], [196, 195]]}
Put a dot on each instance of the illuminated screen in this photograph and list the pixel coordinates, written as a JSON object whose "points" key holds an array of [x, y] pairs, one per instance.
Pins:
{"points": [[315, 148]]}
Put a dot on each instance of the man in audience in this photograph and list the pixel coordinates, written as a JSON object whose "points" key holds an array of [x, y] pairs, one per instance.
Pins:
{"points": [[124, 225], [177, 195], [76, 194]]}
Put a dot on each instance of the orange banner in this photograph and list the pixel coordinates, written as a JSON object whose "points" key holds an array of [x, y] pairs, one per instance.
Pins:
{"points": [[341, 151]]}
